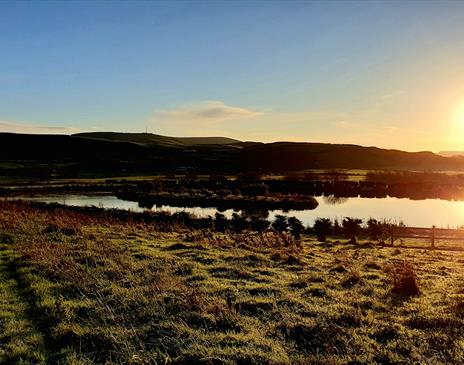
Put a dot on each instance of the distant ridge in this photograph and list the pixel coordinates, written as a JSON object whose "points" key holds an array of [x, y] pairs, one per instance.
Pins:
{"points": [[119, 154], [150, 139], [207, 140], [294, 156], [451, 153]]}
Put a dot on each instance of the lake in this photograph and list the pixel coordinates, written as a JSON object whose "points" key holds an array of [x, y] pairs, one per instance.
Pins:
{"points": [[419, 213]]}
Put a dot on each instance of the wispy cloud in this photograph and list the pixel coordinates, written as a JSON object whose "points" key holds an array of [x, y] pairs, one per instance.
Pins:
{"points": [[377, 125], [392, 95], [389, 97], [204, 112], [13, 127]]}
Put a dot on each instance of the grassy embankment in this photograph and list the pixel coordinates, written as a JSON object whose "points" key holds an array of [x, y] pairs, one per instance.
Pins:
{"points": [[83, 289]]}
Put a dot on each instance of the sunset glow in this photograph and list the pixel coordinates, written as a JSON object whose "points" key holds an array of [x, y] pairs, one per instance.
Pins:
{"points": [[378, 72]]}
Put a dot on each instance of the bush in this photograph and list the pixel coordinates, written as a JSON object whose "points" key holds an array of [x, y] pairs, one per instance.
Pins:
{"points": [[296, 227], [404, 279], [322, 228], [351, 228], [337, 229], [220, 222], [376, 230], [239, 223], [280, 223], [255, 189], [258, 224]]}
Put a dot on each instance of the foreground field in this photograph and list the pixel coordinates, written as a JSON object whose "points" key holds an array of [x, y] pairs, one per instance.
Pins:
{"points": [[81, 288]]}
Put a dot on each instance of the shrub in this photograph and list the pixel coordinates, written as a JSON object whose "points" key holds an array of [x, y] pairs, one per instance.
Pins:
{"points": [[404, 279], [337, 229], [296, 227], [322, 227], [239, 223], [280, 223], [376, 230], [255, 189], [259, 224], [351, 228], [220, 222], [183, 218]]}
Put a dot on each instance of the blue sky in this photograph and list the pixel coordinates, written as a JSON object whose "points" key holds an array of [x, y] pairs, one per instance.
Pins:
{"points": [[373, 73]]}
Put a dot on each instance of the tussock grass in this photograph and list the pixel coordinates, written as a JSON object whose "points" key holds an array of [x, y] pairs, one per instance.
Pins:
{"points": [[404, 279]]}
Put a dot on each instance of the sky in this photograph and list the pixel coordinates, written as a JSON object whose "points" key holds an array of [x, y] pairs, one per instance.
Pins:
{"points": [[383, 73]]}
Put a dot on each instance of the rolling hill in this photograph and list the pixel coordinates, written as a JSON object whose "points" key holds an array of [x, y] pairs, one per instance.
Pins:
{"points": [[299, 156], [451, 153], [155, 140], [119, 154]]}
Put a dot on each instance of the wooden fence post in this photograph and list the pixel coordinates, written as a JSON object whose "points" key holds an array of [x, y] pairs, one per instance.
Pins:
{"points": [[433, 236], [392, 234]]}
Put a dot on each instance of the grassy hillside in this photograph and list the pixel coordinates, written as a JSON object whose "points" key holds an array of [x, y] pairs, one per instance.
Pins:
{"points": [[63, 147], [40, 156], [207, 140], [140, 153], [81, 288], [154, 140], [299, 156]]}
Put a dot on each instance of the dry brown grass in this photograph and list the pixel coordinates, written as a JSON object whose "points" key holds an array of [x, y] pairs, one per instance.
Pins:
{"points": [[404, 279]]}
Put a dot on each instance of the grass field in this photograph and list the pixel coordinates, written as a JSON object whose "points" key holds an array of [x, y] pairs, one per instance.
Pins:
{"points": [[316, 174], [89, 289]]}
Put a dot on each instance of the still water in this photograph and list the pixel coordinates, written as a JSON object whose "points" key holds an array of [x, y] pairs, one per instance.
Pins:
{"points": [[419, 213]]}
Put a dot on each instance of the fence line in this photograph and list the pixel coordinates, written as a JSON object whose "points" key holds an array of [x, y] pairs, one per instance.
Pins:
{"points": [[433, 234]]}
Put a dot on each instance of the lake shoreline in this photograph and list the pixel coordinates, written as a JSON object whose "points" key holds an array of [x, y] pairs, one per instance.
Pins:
{"points": [[410, 212]]}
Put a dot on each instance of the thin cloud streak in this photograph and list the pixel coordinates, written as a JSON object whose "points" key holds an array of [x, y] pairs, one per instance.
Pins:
{"points": [[204, 112], [10, 127]]}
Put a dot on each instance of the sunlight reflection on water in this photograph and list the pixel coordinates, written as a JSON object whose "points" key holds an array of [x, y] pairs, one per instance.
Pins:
{"points": [[422, 213]]}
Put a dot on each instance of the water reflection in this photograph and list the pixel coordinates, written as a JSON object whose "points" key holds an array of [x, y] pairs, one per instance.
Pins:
{"points": [[421, 213], [334, 200], [262, 214]]}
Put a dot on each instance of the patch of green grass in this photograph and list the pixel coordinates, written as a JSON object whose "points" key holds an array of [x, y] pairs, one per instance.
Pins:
{"points": [[20, 341]]}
